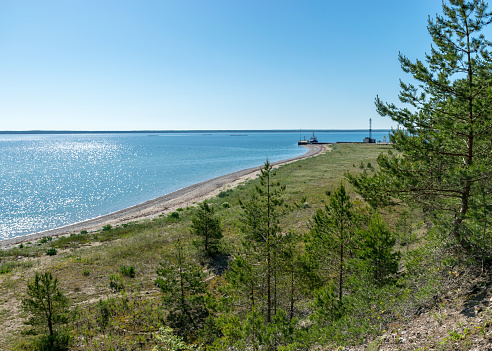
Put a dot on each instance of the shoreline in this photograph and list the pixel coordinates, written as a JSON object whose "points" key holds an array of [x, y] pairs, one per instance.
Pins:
{"points": [[163, 204]]}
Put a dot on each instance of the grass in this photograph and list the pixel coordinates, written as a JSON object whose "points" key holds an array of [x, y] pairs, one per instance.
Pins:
{"points": [[101, 267]]}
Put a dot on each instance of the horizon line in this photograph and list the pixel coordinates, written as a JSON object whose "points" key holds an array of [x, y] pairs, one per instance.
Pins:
{"points": [[182, 130]]}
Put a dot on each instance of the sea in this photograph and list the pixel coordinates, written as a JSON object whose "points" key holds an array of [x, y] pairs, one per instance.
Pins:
{"points": [[48, 180]]}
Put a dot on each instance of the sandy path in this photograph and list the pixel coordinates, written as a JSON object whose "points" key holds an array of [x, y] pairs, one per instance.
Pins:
{"points": [[170, 202]]}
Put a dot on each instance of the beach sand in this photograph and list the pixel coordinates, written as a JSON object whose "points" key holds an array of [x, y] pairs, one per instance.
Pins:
{"points": [[161, 205]]}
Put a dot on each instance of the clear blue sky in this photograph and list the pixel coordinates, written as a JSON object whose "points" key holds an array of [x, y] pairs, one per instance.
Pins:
{"points": [[204, 64]]}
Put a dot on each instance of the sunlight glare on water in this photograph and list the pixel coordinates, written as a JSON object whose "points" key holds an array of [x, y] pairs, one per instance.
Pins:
{"points": [[51, 180]]}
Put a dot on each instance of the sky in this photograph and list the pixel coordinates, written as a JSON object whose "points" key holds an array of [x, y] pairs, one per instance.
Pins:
{"points": [[204, 64]]}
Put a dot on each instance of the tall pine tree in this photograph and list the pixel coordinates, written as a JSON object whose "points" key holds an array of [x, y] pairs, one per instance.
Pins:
{"points": [[332, 238], [261, 214], [443, 140]]}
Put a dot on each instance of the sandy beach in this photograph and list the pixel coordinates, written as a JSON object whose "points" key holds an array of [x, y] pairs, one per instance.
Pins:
{"points": [[167, 203]]}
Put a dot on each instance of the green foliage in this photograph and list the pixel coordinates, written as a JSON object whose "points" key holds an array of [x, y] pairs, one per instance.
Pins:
{"points": [[173, 215], [48, 308], [107, 227], [51, 251], [128, 271], [254, 333], [184, 293], [9, 266], [333, 237], [404, 230], [327, 307], [376, 249], [260, 224], [206, 225], [6, 267], [443, 158], [115, 283], [104, 314], [167, 341], [58, 342], [224, 193]]}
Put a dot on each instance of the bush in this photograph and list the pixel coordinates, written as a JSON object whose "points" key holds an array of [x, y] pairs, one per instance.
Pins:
{"points": [[226, 205], [85, 272], [224, 193], [107, 227], [173, 215], [128, 271], [104, 314], [57, 342], [51, 251], [83, 232], [115, 283]]}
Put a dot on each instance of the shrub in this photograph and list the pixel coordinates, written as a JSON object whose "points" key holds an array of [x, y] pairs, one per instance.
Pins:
{"points": [[226, 205], [107, 227], [115, 282], [173, 215], [104, 313], [128, 271], [83, 232], [51, 251], [85, 272], [224, 193]]}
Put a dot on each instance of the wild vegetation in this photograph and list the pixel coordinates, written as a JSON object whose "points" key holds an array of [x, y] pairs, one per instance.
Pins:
{"points": [[334, 250]]}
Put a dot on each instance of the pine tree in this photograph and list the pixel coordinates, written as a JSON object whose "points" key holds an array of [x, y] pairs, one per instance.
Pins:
{"points": [[48, 308], [377, 250], [443, 140], [184, 292], [332, 235], [244, 278], [298, 279], [260, 219], [206, 225]]}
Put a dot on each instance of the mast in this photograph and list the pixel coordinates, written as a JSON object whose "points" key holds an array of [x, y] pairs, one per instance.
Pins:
{"points": [[370, 128]]}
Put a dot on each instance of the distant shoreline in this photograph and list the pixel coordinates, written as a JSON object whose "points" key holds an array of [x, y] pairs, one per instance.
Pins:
{"points": [[33, 132], [170, 202]]}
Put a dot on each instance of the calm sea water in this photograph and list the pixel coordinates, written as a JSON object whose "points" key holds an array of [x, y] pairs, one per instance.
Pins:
{"points": [[47, 181]]}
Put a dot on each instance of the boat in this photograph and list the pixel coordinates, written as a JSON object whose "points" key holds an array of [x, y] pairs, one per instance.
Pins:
{"points": [[313, 139]]}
